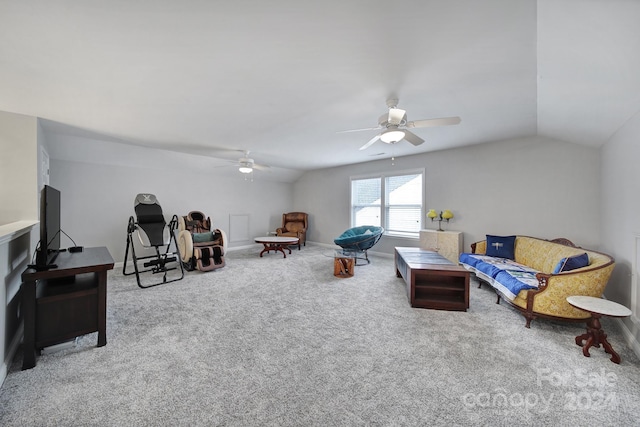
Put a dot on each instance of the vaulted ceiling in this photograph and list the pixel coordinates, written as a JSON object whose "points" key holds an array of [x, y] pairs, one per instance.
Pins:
{"points": [[281, 78]]}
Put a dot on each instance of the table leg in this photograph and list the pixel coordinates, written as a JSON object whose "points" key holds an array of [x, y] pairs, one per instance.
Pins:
{"points": [[343, 267], [615, 357], [594, 337], [281, 249], [102, 309], [273, 247], [29, 308], [268, 247], [587, 345], [581, 338]]}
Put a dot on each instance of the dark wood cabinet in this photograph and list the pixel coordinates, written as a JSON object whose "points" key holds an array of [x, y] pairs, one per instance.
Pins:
{"points": [[65, 302]]}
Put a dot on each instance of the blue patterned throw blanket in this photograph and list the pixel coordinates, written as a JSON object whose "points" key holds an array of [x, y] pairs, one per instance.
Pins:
{"points": [[507, 276]]}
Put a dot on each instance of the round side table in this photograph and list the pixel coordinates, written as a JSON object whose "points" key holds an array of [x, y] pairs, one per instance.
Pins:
{"points": [[595, 336]]}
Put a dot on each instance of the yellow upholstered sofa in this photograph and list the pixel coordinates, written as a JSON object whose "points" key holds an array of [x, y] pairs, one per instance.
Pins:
{"points": [[550, 298]]}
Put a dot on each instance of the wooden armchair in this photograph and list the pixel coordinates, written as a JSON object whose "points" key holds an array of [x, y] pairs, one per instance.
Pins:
{"points": [[294, 224]]}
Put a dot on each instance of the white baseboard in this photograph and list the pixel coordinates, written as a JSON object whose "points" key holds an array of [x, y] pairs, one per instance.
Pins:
{"points": [[237, 248], [119, 264], [3, 373], [629, 336], [12, 348], [59, 347], [323, 245], [330, 246]]}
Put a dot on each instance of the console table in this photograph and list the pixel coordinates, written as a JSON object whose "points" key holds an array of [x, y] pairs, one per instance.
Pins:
{"points": [[65, 302]]}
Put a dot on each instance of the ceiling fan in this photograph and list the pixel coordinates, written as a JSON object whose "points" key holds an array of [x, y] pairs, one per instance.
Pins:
{"points": [[394, 126], [247, 165]]}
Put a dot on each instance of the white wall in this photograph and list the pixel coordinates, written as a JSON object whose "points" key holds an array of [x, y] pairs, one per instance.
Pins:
{"points": [[98, 195], [18, 167], [620, 222], [18, 202], [532, 186]]}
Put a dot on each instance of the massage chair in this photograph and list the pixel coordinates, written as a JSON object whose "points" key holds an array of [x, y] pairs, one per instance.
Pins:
{"points": [[201, 247]]}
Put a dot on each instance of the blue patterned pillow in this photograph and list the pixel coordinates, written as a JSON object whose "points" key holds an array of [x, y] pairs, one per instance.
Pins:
{"points": [[571, 263], [501, 246]]}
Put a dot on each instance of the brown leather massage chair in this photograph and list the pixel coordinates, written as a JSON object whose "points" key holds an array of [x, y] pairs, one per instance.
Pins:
{"points": [[200, 247]]}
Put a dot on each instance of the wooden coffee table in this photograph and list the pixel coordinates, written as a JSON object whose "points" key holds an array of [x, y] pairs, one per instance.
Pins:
{"points": [[595, 335], [276, 243], [432, 280]]}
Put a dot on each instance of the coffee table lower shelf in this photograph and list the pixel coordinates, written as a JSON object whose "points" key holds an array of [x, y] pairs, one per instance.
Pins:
{"points": [[441, 297]]}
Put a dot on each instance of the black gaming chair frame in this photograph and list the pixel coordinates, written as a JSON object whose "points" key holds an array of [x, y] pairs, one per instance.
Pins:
{"points": [[164, 260]]}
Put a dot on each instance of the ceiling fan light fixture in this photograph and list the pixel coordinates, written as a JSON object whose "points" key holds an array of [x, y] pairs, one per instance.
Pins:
{"points": [[245, 167], [392, 136]]}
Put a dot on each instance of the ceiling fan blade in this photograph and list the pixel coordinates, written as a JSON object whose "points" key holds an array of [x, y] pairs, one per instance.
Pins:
{"points": [[358, 130], [395, 116], [444, 121], [370, 143], [412, 138], [263, 168]]}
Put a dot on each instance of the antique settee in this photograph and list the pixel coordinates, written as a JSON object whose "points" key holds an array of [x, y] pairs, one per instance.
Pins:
{"points": [[536, 276]]}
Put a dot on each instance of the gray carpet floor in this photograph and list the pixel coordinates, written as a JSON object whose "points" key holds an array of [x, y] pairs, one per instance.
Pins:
{"points": [[282, 342]]}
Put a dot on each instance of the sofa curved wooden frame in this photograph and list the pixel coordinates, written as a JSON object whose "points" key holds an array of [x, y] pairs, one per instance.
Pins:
{"points": [[554, 288]]}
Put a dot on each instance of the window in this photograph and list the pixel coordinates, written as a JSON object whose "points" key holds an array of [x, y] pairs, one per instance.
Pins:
{"points": [[365, 202], [391, 201]]}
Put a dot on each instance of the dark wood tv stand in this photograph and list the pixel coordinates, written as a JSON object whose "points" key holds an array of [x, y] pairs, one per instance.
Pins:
{"points": [[65, 302], [432, 281]]}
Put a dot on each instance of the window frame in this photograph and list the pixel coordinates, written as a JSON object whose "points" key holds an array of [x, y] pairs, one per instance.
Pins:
{"points": [[384, 207]]}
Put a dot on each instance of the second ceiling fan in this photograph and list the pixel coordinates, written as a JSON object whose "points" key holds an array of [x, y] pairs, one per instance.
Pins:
{"points": [[395, 127]]}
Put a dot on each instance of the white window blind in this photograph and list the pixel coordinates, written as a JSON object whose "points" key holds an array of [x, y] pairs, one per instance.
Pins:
{"points": [[403, 204], [366, 195], [394, 201]]}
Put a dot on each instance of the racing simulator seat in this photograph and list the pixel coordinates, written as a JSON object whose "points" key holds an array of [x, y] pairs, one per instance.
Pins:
{"points": [[200, 247], [156, 235]]}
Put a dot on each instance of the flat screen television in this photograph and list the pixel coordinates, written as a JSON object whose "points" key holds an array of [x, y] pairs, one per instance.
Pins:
{"points": [[49, 246]]}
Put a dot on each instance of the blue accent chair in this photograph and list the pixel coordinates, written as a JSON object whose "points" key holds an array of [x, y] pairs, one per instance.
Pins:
{"points": [[359, 239]]}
